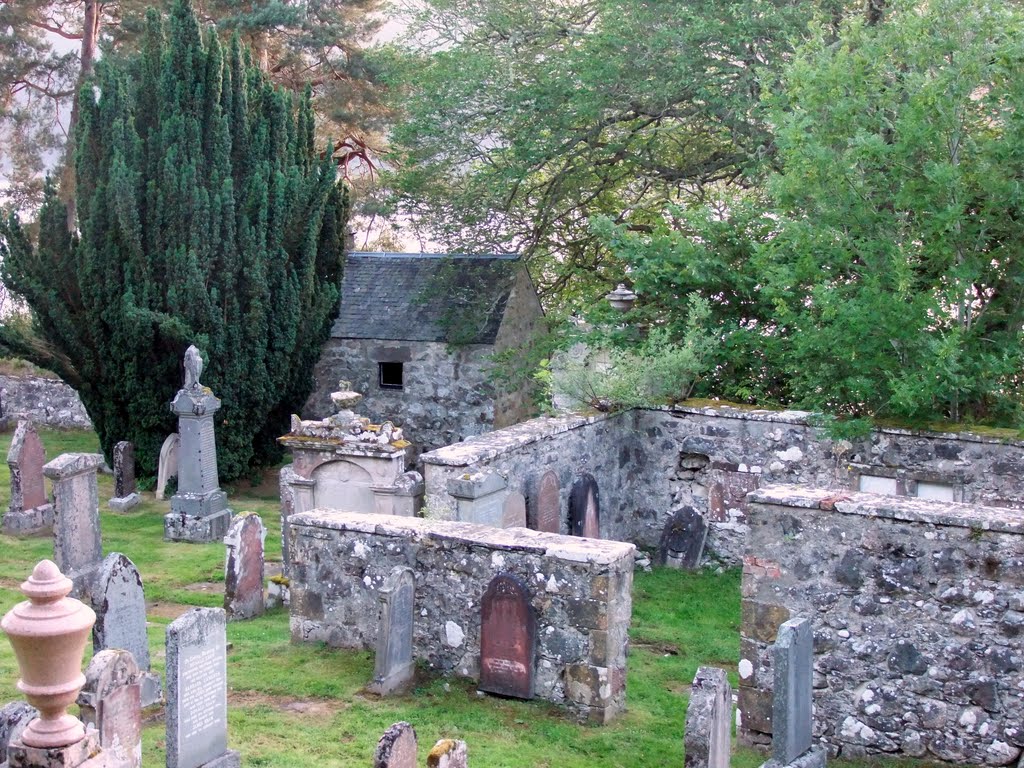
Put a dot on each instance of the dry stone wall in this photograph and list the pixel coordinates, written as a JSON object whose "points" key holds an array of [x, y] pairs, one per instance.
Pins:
{"points": [[918, 614], [579, 591], [48, 402]]}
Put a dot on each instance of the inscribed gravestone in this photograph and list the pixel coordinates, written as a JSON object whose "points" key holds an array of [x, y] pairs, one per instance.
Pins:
{"points": [[548, 503], [394, 668], [396, 748], [479, 497], [168, 466], [29, 511], [508, 635], [244, 567], [514, 511], [125, 497], [682, 539], [708, 720], [448, 753], [197, 691], [792, 656], [77, 546], [584, 508], [111, 701]]}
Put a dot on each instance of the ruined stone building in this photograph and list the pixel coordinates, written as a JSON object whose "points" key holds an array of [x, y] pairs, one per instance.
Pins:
{"points": [[416, 335]]}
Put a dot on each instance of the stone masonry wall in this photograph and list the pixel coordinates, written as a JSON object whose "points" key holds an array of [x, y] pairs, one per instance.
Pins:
{"points": [[48, 402], [918, 613], [580, 591]]}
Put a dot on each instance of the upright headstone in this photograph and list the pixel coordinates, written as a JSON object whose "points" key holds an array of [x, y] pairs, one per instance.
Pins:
{"points": [[584, 508], [199, 510], [168, 465], [394, 669], [792, 722], [197, 691], [30, 511], [77, 545], [708, 720], [682, 539], [479, 497], [547, 504], [111, 701], [125, 495], [508, 638], [448, 753], [513, 513], [120, 605], [243, 567], [396, 748]]}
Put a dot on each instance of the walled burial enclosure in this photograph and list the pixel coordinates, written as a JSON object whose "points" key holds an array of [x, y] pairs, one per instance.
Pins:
{"points": [[579, 591]]}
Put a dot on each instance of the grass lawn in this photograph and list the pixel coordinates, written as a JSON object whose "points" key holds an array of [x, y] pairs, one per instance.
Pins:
{"points": [[304, 705]]}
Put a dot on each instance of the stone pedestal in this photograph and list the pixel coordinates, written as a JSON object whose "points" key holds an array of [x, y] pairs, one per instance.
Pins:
{"points": [[21, 756], [480, 498], [199, 510]]}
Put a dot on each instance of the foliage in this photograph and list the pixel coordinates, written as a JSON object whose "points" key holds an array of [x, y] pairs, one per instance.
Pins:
{"points": [[206, 217], [654, 372]]}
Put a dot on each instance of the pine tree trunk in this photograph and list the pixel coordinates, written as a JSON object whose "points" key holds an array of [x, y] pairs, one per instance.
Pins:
{"points": [[90, 34]]}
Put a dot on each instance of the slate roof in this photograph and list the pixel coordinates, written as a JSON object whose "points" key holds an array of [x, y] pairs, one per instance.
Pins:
{"points": [[422, 297]]}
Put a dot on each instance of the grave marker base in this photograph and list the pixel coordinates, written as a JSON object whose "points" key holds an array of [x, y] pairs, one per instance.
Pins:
{"points": [[27, 522], [398, 682], [125, 503], [21, 756], [812, 758], [230, 759], [180, 526]]}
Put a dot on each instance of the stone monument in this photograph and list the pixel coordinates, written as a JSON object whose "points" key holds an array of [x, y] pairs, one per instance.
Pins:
{"points": [[243, 567], [682, 539], [708, 720], [126, 497], [77, 544], [396, 748], [30, 511], [111, 702], [199, 510], [197, 692], [394, 669], [508, 638], [168, 465], [584, 507]]}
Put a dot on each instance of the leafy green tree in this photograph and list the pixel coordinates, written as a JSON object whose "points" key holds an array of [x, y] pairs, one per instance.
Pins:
{"points": [[206, 216]]}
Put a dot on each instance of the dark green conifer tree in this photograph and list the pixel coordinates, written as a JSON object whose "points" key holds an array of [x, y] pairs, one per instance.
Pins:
{"points": [[206, 216]]}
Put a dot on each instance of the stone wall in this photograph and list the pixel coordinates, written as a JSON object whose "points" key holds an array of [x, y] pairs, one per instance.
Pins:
{"points": [[48, 402], [918, 613], [580, 591]]}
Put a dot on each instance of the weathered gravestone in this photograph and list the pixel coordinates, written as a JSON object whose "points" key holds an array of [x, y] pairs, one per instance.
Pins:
{"points": [[513, 514], [682, 539], [197, 691], [479, 497], [168, 465], [448, 753], [111, 701], [584, 508], [243, 567], [199, 509], [125, 495], [708, 720], [396, 748], [792, 719], [547, 504], [77, 545], [120, 605], [14, 716], [394, 669], [508, 638], [30, 511]]}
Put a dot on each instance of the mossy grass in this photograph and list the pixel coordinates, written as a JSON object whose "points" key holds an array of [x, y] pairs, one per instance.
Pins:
{"points": [[304, 705]]}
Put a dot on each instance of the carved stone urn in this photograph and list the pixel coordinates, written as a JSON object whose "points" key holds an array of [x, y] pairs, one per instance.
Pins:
{"points": [[48, 632]]}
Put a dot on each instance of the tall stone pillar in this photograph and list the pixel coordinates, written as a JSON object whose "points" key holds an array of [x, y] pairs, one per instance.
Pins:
{"points": [[199, 510]]}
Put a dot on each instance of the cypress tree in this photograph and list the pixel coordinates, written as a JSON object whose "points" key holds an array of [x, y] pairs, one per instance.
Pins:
{"points": [[206, 216]]}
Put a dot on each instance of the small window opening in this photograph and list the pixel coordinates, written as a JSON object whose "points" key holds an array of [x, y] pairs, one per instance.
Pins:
{"points": [[390, 375]]}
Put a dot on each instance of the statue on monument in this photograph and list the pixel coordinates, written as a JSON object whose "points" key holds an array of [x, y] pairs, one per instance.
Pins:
{"points": [[193, 368]]}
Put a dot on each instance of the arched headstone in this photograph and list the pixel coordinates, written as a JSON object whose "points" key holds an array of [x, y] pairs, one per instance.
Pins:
{"points": [[682, 539], [547, 504], [584, 508], [121, 610], [168, 466], [508, 636], [396, 748], [513, 513], [243, 567]]}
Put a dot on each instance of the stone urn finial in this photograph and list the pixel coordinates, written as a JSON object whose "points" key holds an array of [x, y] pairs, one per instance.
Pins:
{"points": [[48, 632]]}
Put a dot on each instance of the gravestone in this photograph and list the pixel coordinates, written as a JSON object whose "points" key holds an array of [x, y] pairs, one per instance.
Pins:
{"points": [[197, 691], [396, 748], [30, 511], [77, 546], [125, 495], [120, 605], [548, 516], [111, 701], [14, 716], [479, 497], [514, 511], [584, 508], [394, 669], [243, 567], [508, 637], [448, 753], [708, 720], [199, 509], [168, 465], [682, 539]]}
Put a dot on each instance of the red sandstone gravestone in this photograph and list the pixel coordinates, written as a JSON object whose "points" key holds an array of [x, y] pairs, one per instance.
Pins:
{"points": [[547, 503], [508, 634], [244, 569]]}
